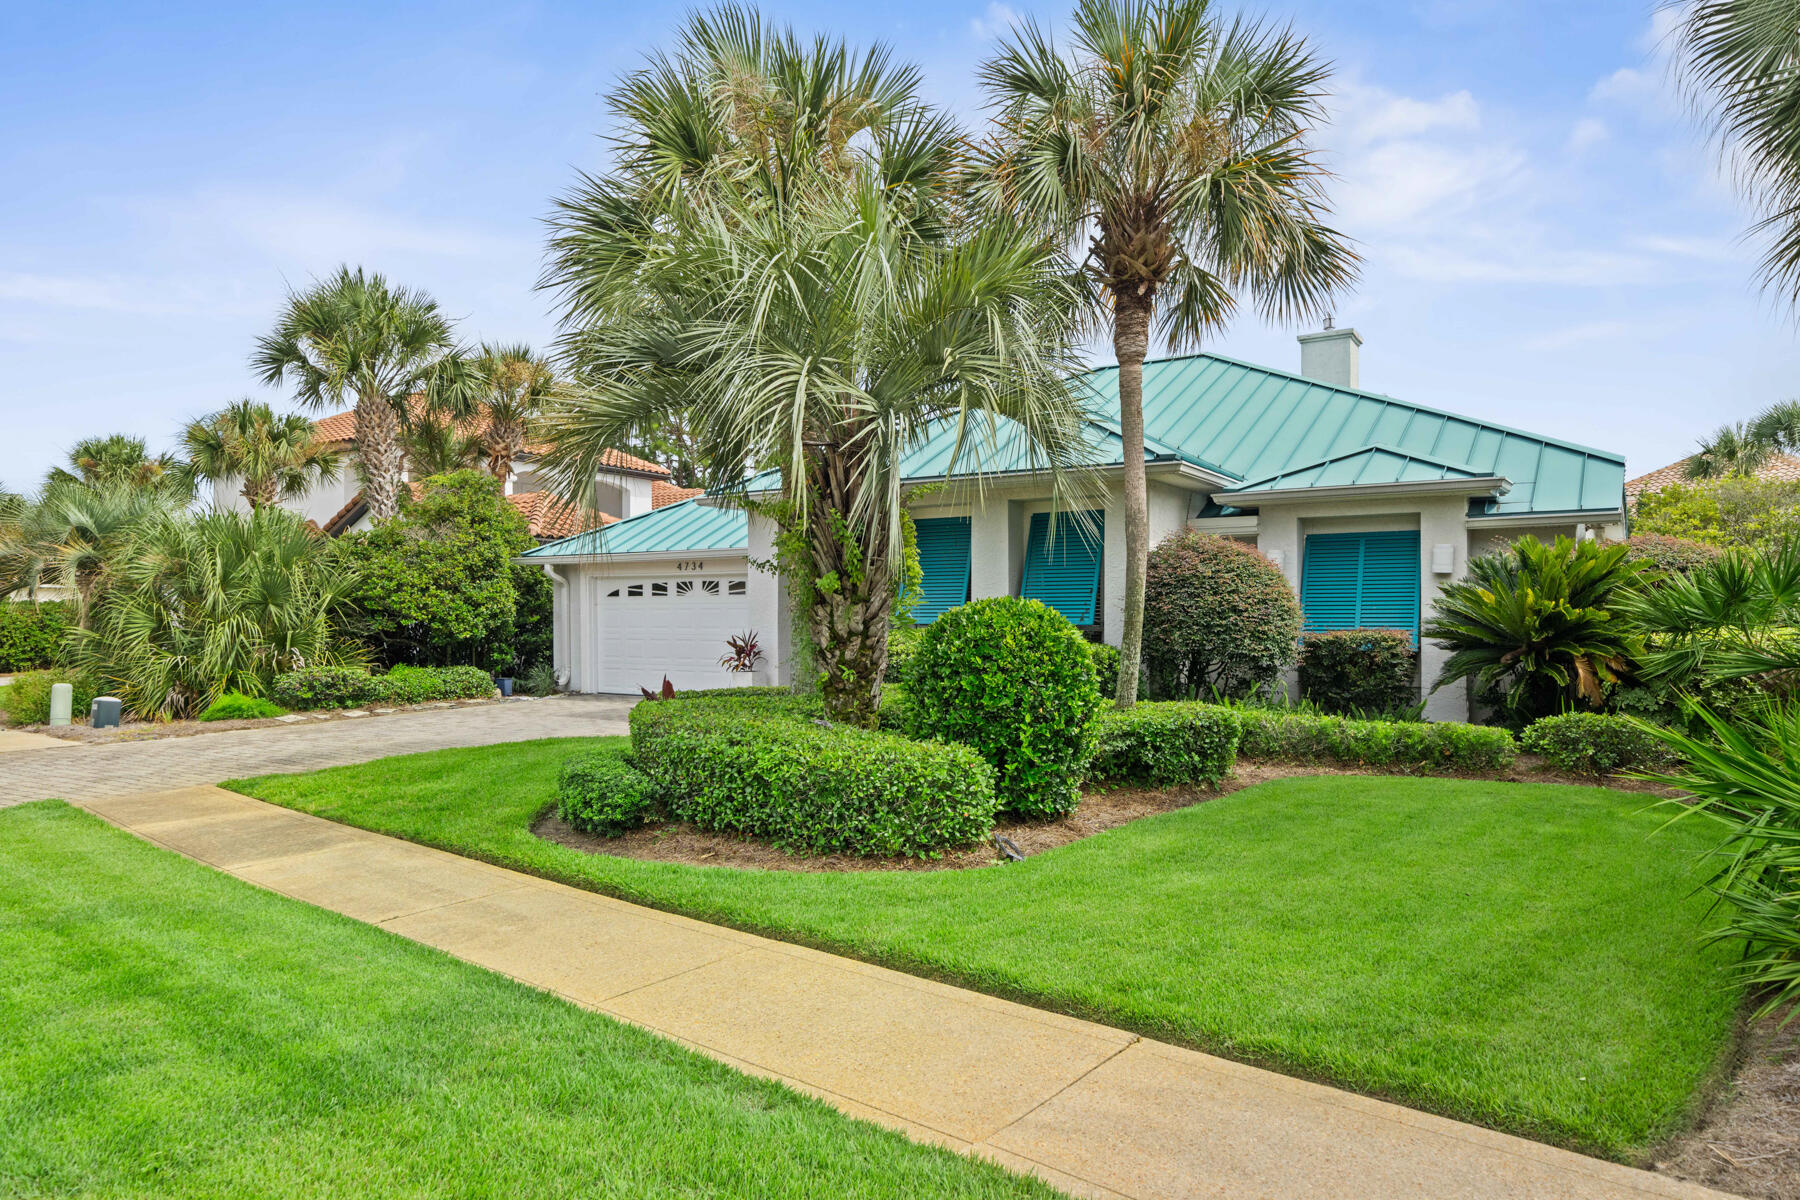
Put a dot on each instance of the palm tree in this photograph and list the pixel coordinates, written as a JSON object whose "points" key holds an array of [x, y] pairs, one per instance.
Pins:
{"points": [[120, 460], [356, 339], [70, 532], [1738, 59], [1731, 450], [1171, 150], [778, 260], [274, 457], [436, 445], [515, 385]]}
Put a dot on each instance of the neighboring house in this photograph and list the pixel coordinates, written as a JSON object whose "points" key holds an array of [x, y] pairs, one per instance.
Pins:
{"points": [[627, 486], [1367, 503], [1779, 466]]}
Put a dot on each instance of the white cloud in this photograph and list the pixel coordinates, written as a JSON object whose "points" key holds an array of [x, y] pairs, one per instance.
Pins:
{"points": [[1364, 114], [998, 19], [1627, 86], [104, 293], [1705, 249], [1577, 335], [312, 229], [1587, 133]]}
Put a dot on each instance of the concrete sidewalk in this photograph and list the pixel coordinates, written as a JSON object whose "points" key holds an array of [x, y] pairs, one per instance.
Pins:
{"points": [[1093, 1110]]}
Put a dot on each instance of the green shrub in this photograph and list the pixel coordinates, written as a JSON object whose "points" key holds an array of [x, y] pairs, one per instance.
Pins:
{"points": [[763, 765], [1219, 619], [1670, 554], [1357, 671], [1167, 743], [424, 685], [28, 699], [1106, 668], [538, 680], [235, 706], [1013, 679], [1594, 744], [903, 643], [320, 687], [31, 635], [600, 792], [1428, 745]]}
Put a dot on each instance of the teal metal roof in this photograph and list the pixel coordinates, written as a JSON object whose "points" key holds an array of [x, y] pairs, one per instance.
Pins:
{"points": [[1372, 465], [675, 528], [1248, 422]]}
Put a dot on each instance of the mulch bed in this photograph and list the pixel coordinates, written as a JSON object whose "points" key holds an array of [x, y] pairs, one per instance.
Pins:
{"points": [[1748, 1141]]}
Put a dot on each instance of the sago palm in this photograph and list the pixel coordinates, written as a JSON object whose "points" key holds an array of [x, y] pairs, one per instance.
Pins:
{"points": [[778, 261], [271, 457], [356, 340], [1536, 621], [1169, 148], [514, 385]]}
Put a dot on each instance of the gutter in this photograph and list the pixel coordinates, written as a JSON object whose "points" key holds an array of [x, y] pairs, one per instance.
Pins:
{"points": [[1480, 486]]}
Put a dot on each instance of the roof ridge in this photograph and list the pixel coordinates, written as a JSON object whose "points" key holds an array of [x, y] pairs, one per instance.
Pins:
{"points": [[1381, 396]]}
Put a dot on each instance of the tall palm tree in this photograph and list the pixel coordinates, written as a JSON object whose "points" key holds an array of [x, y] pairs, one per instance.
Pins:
{"points": [[272, 457], [1730, 450], [1169, 150], [120, 460], [69, 533], [1739, 60], [436, 445], [514, 386], [355, 339], [778, 260]]}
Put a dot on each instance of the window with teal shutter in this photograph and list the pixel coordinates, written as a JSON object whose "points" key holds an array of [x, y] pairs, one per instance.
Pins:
{"points": [[1062, 567], [1361, 581], [944, 560]]}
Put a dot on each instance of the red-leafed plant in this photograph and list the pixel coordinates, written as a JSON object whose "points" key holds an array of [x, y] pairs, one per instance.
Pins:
{"points": [[667, 693], [744, 653]]}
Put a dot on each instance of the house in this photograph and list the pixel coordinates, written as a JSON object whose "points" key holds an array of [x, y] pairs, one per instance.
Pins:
{"points": [[1367, 503], [1778, 466], [626, 486]]}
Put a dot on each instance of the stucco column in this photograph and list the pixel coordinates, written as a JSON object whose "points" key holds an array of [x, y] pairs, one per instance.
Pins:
{"points": [[1112, 569], [1278, 539], [766, 599], [991, 550], [1443, 523]]}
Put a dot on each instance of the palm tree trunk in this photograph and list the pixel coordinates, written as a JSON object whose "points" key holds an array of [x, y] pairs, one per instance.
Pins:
{"points": [[259, 492], [503, 450], [853, 595], [378, 449], [1131, 343]]}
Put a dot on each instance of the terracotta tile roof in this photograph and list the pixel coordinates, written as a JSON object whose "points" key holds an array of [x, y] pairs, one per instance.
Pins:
{"points": [[551, 517], [341, 427], [1781, 466], [662, 493]]}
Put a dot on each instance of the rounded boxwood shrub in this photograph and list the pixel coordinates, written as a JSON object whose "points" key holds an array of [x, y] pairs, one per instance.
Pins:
{"points": [[28, 699], [1594, 743], [235, 706], [1013, 679], [1166, 743], [1219, 619], [1359, 671], [320, 687], [31, 635], [1106, 668], [599, 792]]}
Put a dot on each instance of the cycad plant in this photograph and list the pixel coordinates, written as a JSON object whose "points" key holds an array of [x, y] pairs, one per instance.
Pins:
{"points": [[783, 260], [356, 340], [270, 457], [1170, 148], [198, 606], [1536, 622]]}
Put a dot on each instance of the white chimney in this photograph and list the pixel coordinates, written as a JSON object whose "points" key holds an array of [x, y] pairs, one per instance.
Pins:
{"points": [[1331, 356]]}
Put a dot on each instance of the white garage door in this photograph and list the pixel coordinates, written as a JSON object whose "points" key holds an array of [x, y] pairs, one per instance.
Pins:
{"points": [[651, 626]]}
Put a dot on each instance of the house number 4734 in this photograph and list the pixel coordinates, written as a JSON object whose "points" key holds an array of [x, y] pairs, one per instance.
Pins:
{"points": [[691, 564]]}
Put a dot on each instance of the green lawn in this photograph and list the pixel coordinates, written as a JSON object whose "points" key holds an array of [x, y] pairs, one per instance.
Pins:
{"points": [[168, 1031], [1521, 955]]}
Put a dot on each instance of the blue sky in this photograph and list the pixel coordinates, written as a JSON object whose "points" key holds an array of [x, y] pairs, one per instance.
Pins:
{"points": [[1548, 242]]}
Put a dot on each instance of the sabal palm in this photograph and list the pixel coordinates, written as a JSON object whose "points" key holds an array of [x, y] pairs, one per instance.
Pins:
{"points": [[199, 606], [272, 457], [514, 386], [436, 445], [1739, 58], [804, 302], [1169, 149], [1730, 450], [118, 460], [70, 532], [356, 339], [1536, 620]]}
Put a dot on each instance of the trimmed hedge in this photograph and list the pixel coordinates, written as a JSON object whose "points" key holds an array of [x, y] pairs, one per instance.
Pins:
{"points": [[1166, 743], [235, 706], [28, 700], [1362, 672], [765, 766], [31, 635], [347, 687], [1106, 668], [599, 792], [1428, 745], [1219, 619], [1013, 679], [1595, 743]]}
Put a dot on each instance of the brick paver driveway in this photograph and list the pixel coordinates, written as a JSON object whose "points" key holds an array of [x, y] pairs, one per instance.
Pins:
{"points": [[92, 772]]}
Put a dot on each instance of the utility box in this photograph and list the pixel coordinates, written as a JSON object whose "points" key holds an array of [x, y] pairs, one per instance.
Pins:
{"points": [[103, 713], [62, 702]]}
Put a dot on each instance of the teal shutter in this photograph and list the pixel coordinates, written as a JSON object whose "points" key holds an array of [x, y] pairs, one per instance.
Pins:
{"points": [[944, 559], [1361, 581], [1064, 570]]}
